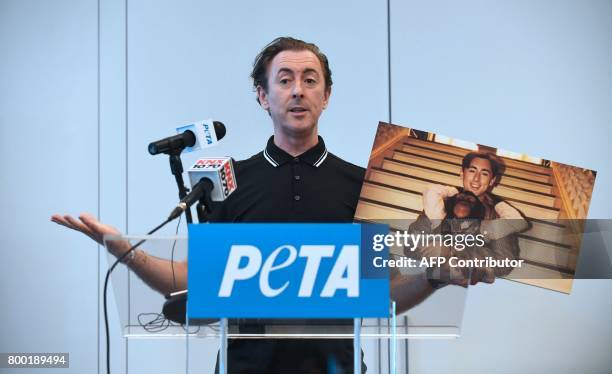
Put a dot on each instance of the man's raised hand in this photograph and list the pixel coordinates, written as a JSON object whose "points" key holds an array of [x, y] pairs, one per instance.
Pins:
{"points": [[90, 226]]}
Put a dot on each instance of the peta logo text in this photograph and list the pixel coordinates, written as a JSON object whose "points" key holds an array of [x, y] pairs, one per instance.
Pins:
{"points": [[246, 262]]}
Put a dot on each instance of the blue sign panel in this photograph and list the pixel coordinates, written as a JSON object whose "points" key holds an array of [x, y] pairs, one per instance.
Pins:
{"points": [[253, 270]]}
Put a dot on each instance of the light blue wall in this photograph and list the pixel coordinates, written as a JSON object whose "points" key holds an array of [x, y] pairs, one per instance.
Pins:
{"points": [[529, 76], [48, 153], [532, 77]]}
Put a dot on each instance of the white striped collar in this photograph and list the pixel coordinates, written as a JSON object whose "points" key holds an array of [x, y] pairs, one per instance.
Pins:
{"points": [[276, 156]]}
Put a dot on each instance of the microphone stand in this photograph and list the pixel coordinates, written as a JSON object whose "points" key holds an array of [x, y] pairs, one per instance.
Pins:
{"points": [[175, 306], [176, 167]]}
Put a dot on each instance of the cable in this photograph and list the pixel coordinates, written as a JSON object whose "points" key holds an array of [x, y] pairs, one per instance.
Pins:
{"points": [[172, 253], [159, 323], [108, 273]]}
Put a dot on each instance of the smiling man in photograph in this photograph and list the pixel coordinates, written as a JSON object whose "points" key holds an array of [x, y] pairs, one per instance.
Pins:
{"points": [[480, 173]]}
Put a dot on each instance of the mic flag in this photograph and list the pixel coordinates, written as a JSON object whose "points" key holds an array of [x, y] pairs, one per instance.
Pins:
{"points": [[220, 170], [191, 137], [207, 133], [214, 176]]}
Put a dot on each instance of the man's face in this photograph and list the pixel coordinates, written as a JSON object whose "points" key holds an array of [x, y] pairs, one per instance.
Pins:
{"points": [[296, 93], [478, 177]]}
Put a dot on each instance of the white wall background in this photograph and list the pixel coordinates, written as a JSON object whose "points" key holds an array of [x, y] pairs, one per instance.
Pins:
{"points": [[529, 76]]}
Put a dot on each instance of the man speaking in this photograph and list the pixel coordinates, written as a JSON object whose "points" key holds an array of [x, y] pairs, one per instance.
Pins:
{"points": [[294, 179]]}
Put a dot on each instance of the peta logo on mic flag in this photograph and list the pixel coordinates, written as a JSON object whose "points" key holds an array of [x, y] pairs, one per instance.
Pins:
{"points": [[284, 271], [204, 132]]}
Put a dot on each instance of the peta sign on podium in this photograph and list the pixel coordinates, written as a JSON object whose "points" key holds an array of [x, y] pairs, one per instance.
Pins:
{"points": [[250, 270]]}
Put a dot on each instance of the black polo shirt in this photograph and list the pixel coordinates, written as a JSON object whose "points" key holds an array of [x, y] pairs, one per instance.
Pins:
{"points": [[274, 186]]}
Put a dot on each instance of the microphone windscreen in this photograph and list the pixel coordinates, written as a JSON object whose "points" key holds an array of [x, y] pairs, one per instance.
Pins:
{"points": [[219, 129]]}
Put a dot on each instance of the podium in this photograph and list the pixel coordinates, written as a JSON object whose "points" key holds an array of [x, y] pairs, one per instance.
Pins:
{"points": [[193, 348]]}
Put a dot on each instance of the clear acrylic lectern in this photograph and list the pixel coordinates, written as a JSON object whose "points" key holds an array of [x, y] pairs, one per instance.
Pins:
{"points": [[192, 348]]}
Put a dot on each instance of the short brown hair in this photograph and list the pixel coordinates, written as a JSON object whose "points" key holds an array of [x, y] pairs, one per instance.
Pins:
{"points": [[278, 45], [497, 164]]}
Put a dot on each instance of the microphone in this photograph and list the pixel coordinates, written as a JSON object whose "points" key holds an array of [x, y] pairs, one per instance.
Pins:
{"points": [[212, 176], [198, 190], [191, 137]]}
